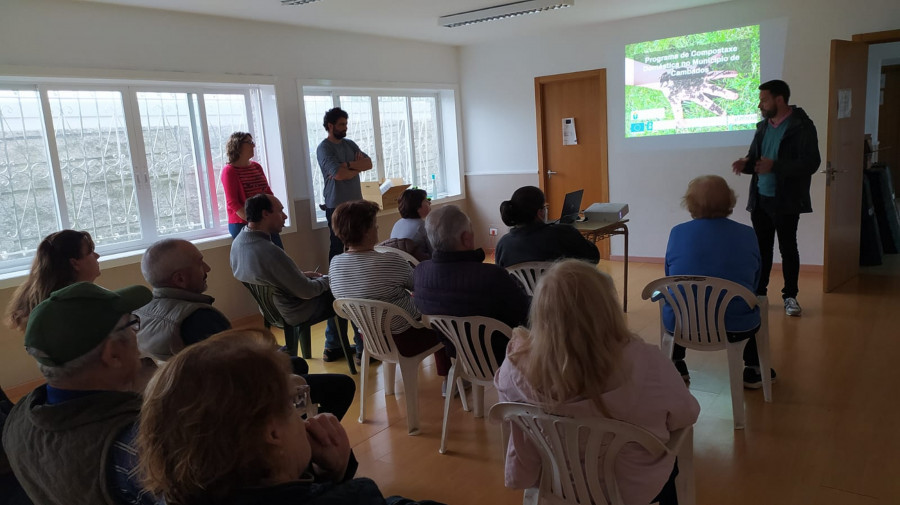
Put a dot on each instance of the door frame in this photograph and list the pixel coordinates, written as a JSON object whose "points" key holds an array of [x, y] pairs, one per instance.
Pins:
{"points": [[600, 75], [868, 38]]}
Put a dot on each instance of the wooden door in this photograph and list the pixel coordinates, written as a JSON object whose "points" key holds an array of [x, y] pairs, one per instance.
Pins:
{"points": [[565, 168], [889, 123], [844, 161]]}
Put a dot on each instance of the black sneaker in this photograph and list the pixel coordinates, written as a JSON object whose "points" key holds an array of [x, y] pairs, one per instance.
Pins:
{"points": [[333, 355], [682, 370], [753, 379]]}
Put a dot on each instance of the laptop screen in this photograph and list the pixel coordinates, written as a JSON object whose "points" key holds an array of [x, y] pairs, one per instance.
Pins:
{"points": [[571, 206]]}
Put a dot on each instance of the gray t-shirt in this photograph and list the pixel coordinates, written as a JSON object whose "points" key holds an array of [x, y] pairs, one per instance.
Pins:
{"points": [[330, 156]]}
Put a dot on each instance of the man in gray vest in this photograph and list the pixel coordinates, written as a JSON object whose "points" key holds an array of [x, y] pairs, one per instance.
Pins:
{"points": [[70, 441], [180, 314]]}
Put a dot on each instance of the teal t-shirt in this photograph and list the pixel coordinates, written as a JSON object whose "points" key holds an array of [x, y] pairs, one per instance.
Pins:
{"points": [[771, 140]]}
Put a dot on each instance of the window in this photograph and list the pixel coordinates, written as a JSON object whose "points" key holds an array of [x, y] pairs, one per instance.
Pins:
{"points": [[402, 131], [128, 162]]}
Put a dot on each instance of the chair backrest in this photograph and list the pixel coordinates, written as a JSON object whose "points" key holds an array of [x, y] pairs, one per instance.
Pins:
{"points": [[373, 318], [578, 455], [263, 294], [472, 338], [699, 305], [529, 273], [403, 254]]}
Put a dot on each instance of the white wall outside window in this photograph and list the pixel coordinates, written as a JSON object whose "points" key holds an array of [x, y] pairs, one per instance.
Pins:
{"points": [[409, 134], [130, 162]]}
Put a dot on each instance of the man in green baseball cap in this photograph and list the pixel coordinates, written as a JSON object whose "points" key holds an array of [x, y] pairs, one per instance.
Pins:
{"points": [[67, 440]]}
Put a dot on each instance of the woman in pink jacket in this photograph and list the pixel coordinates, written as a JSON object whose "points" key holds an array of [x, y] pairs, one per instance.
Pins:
{"points": [[579, 359]]}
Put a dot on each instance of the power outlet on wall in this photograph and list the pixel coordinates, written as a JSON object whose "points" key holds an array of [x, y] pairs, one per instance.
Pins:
{"points": [[492, 231]]}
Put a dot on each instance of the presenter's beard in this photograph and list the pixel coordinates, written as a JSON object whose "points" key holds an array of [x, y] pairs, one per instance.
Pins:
{"points": [[768, 113], [340, 135]]}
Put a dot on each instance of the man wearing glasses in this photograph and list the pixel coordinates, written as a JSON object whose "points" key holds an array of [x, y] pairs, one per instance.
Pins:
{"points": [[70, 441]]}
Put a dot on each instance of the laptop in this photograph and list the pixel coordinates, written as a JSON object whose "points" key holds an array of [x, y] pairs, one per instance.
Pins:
{"points": [[571, 207]]}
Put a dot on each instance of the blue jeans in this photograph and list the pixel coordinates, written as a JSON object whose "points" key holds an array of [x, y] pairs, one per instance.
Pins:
{"points": [[235, 228]]}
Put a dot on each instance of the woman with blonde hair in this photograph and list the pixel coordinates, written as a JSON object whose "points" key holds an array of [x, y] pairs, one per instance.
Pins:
{"points": [[240, 437], [579, 359], [62, 258]]}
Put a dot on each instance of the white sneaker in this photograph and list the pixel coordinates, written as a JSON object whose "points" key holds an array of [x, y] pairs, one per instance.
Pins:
{"points": [[791, 307]]}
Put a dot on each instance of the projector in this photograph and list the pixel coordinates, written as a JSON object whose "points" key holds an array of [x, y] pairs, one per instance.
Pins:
{"points": [[605, 212]]}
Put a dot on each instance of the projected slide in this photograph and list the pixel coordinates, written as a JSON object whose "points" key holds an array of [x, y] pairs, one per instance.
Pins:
{"points": [[706, 82]]}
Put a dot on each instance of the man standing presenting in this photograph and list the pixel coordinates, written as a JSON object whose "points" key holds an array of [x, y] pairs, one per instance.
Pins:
{"points": [[782, 158], [341, 161]]}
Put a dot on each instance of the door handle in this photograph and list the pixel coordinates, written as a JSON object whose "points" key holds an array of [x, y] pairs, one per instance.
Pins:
{"points": [[831, 172], [551, 172]]}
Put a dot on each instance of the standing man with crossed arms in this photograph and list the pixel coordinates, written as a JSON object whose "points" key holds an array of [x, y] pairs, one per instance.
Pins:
{"points": [[782, 158], [341, 162]]}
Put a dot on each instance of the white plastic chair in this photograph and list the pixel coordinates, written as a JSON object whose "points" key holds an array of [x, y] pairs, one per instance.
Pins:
{"points": [[403, 254], [576, 452], [474, 361], [699, 305], [373, 318], [529, 273]]}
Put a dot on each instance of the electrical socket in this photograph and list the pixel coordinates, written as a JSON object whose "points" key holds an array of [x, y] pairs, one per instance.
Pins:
{"points": [[492, 231]]}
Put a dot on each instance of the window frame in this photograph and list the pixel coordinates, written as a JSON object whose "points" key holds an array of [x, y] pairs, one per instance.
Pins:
{"points": [[260, 119], [447, 121]]}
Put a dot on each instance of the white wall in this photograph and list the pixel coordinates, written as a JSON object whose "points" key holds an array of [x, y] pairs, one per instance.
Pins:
{"points": [[651, 174], [102, 41], [69, 34], [879, 55]]}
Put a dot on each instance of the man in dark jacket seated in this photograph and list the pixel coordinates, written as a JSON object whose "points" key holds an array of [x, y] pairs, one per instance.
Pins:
{"points": [[457, 282]]}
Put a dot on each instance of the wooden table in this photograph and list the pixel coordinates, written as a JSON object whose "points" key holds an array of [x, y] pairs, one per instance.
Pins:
{"points": [[596, 231]]}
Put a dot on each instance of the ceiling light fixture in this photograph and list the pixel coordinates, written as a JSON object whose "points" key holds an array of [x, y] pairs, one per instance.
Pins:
{"points": [[297, 2], [502, 12]]}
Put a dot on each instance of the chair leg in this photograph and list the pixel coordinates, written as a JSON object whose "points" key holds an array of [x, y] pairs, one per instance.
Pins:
{"points": [[290, 339], [390, 377], [684, 482], [409, 372], [345, 345], [505, 430], [735, 372], [448, 394], [763, 349], [461, 388], [667, 344], [363, 375], [304, 335], [478, 399]]}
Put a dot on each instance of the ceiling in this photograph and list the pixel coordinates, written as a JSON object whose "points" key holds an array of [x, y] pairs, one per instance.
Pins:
{"points": [[417, 19]]}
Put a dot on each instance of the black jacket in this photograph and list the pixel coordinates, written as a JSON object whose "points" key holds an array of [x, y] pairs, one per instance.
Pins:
{"points": [[798, 159], [544, 242]]}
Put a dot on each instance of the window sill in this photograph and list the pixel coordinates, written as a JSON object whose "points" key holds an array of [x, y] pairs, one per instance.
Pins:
{"points": [[13, 279], [318, 225]]}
